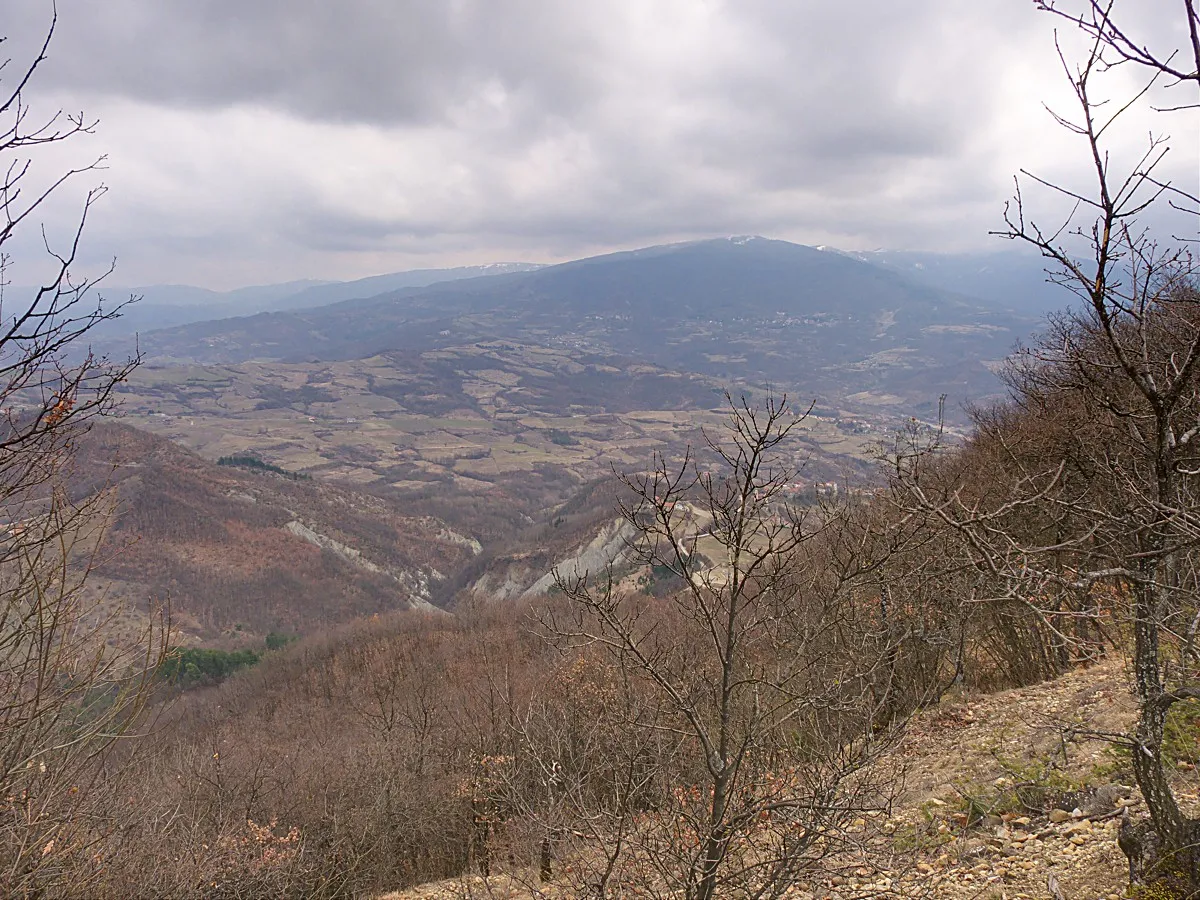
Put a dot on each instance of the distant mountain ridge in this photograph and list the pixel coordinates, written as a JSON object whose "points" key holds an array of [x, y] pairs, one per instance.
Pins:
{"points": [[172, 305], [1014, 279], [738, 309], [374, 285], [1006, 278]]}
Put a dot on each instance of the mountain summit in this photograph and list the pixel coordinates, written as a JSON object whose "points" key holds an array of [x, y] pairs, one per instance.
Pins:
{"points": [[741, 309]]}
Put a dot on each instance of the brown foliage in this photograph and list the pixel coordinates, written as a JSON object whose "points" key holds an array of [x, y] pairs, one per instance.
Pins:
{"points": [[67, 695], [212, 538]]}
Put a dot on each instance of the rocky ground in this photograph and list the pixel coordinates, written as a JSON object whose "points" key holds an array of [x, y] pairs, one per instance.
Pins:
{"points": [[1003, 792]]}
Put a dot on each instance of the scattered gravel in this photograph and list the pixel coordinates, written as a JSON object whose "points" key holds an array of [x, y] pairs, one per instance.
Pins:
{"points": [[975, 740]]}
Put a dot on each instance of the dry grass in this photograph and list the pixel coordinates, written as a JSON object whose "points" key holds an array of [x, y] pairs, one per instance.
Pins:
{"points": [[968, 740]]}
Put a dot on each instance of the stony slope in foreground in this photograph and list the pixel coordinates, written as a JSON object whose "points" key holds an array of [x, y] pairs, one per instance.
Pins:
{"points": [[998, 749]]}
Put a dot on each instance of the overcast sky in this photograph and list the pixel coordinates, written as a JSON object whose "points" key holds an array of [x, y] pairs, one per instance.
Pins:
{"points": [[252, 141]]}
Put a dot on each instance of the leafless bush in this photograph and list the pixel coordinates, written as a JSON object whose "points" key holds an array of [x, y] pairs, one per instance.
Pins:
{"points": [[67, 695], [761, 684], [1077, 501]]}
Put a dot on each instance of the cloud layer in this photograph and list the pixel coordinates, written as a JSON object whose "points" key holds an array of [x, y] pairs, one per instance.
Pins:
{"points": [[301, 138]]}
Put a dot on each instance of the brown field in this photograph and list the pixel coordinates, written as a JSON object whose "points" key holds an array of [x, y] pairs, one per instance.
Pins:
{"points": [[481, 411]]}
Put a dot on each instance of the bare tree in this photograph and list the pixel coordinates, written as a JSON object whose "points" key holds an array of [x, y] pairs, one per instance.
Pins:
{"points": [[1090, 504], [757, 679], [66, 695]]}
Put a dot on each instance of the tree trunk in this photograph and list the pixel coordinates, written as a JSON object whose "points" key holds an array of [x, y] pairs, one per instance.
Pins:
{"points": [[545, 863], [1173, 851]]}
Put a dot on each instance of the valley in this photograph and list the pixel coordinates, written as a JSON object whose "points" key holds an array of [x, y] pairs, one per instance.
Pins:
{"points": [[686, 451], [499, 408], [746, 312], [466, 416], [514, 389]]}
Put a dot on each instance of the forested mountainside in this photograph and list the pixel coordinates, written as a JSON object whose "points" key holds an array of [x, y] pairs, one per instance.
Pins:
{"points": [[740, 310], [240, 550]]}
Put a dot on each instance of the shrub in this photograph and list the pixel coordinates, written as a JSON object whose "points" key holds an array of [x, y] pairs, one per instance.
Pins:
{"points": [[245, 461], [192, 666]]}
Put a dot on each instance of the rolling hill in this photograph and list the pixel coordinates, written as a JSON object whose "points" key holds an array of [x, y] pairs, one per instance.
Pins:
{"points": [[489, 400], [241, 551]]}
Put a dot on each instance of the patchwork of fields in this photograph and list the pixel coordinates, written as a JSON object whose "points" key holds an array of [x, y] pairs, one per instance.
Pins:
{"points": [[468, 415]]}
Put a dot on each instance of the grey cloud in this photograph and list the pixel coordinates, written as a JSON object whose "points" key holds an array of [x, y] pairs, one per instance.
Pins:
{"points": [[367, 60], [301, 133], [416, 61]]}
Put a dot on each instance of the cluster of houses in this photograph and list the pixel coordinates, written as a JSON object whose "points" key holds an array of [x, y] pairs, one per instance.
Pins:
{"points": [[812, 488]]}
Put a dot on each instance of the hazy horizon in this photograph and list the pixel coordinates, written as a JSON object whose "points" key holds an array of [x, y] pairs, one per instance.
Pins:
{"points": [[274, 142]]}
